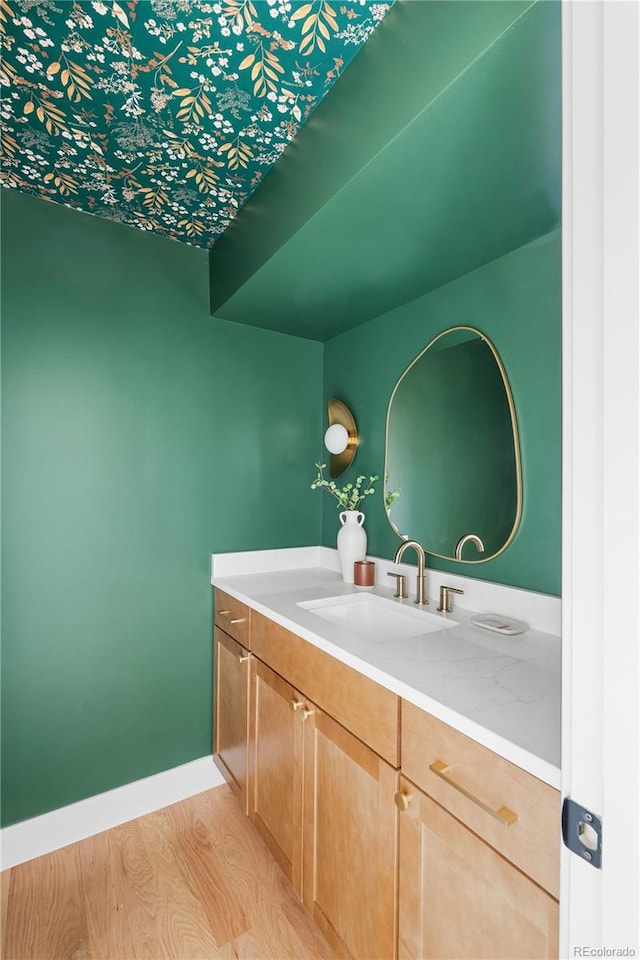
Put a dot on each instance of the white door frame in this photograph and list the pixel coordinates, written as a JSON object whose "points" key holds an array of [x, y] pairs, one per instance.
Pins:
{"points": [[601, 443]]}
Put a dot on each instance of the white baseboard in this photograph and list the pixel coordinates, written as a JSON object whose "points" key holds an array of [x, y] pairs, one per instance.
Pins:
{"points": [[32, 838]]}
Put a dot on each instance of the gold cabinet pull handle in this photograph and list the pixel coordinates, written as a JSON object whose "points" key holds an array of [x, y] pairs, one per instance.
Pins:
{"points": [[295, 705], [226, 615], [243, 657], [402, 801], [504, 815]]}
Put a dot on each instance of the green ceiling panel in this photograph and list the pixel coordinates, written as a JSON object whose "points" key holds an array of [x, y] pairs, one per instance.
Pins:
{"points": [[419, 50], [165, 114], [476, 174]]}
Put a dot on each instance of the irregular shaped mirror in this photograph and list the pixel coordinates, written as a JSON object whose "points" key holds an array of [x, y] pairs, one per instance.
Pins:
{"points": [[452, 451]]}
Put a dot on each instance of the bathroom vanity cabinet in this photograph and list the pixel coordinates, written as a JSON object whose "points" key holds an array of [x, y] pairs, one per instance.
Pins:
{"points": [[328, 737], [321, 797], [402, 837], [231, 693], [458, 898], [479, 849]]}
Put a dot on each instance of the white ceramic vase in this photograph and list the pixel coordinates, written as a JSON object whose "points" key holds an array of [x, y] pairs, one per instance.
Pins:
{"points": [[352, 542]]}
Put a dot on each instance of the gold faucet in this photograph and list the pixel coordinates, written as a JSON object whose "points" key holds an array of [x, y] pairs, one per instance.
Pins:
{"points": [[421, 583], [468, 537], [446, 598]]}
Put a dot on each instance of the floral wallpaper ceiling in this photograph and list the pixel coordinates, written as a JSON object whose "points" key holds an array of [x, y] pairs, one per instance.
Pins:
{"points": [[164, 114]]}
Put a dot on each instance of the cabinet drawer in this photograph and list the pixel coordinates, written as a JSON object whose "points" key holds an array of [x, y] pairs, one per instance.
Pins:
{"points": [[362, 706], [483, 791], [233, 617]]}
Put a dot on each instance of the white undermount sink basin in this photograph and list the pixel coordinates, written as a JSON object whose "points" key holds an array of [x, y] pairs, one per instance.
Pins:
{"points": [[376, 618]]}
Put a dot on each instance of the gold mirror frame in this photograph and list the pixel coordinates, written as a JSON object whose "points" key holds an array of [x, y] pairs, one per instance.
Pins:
{"points": [[516, 444]]}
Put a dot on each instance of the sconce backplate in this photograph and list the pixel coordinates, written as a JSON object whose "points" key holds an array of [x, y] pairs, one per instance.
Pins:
{"points": [[338, 412]]}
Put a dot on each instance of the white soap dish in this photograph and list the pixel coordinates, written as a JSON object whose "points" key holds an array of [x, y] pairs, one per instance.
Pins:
{"points": [[498, 624]]}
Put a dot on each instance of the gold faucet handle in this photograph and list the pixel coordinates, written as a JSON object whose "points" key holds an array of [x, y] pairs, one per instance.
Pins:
{"points": [[401, 585], [446, 599]]}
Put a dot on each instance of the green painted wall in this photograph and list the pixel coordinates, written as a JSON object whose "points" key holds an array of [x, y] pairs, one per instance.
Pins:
{"points": [[139, 435], [516, 301]]}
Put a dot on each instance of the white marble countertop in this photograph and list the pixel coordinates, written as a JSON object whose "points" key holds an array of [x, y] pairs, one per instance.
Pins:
{"points": [[502, 691]]}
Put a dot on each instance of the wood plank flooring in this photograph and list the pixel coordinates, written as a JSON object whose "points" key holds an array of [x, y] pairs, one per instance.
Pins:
{"points": [[191, 881]]}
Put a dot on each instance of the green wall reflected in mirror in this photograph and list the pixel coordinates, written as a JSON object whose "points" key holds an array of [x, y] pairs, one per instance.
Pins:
{"points": [[452, 450]]}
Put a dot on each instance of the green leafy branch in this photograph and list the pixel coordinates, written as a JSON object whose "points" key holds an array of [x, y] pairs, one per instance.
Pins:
{"points": [[351, 495], [391, 497]]}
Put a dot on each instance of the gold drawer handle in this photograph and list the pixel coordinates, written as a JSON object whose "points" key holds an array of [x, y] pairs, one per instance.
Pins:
{"points": [[242, 657], [504, 815], [226, 615]]}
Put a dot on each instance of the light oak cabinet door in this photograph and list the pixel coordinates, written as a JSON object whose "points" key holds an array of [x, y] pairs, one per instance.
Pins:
{"points": [[459, 898], [350, 841], [278, 714], [231, 713]]}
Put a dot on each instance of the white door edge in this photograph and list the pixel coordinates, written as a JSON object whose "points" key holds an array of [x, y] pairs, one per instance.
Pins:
{"points": [[601, 443]]}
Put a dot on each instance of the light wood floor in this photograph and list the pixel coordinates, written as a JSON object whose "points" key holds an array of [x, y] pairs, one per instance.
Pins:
{"points": [[191, 881]]}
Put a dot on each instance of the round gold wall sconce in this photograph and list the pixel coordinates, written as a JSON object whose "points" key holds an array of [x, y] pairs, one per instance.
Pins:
{"points": [[341, 437]]}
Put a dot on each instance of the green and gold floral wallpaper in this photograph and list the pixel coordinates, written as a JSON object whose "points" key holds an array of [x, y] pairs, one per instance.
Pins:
{"points": [[164, 114]]}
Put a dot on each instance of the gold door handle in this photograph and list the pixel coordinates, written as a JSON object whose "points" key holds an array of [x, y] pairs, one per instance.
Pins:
{"points": [[242, 657], [226, 615], [503, 814], [402, 801], [306, 713]]}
